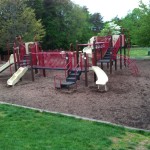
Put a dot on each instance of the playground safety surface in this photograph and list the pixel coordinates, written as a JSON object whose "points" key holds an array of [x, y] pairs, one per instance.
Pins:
{"points": [[127, 101]]}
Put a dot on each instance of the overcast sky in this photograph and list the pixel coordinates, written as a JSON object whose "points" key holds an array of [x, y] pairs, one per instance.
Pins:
{"points": [[110, 8]]}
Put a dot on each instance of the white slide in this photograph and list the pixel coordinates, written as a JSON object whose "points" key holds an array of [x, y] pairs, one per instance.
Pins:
{"points": [[102, 78], [8, 63], [17, 76]]}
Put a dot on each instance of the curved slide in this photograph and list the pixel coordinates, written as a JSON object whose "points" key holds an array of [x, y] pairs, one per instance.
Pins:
{"points": [[8, 63], [17, 76], [102, 78]]}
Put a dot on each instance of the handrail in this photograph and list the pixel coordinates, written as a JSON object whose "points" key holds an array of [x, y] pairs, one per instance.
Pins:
{"points": [[77, 65], [76, 68], [68, 68], [97, 43], [67, 64]]}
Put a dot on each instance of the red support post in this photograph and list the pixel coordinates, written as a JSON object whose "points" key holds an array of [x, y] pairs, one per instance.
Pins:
{"points": [[95, 58], [44, 72], [67, 63], [18, 59], [14, 54], [120, 51], [31, 64], [85, 65], [77, 52]]}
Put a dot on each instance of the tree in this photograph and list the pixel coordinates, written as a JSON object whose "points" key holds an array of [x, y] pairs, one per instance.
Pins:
{"points": [[65, 22], [38, 7], [143, 36], [132, 23], [110, 28], [97, 22], [137, 22], [18, 19]]}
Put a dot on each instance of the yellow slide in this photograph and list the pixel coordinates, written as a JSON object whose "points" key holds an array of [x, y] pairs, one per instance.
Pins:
{"points": [[8, 63], [17, 76]]}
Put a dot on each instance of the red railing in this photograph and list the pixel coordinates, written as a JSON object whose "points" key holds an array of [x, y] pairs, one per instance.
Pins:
{"points": [[20, 54], [104, 47], [101, 46], [53, 59]]}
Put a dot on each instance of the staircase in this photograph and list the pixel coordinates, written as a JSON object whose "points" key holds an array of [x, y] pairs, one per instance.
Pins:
{"points": [[111, 54], [71, 79], [107, 57]]}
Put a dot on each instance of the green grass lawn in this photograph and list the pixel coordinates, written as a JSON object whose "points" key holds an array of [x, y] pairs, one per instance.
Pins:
{"points": [[139, 52], [25, 129]]}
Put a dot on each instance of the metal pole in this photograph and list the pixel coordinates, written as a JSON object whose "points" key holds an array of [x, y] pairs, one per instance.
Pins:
{"points": [[124, 47], [120, 52], [77, 52], [31, 64], [67, 63], [85, 64], [111, 55], [44, 72], [14, 53], [18, 60], [111, 63], [95, 58]]}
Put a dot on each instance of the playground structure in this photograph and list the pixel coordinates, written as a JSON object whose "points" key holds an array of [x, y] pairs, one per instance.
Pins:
{"points": [[99, 50]]}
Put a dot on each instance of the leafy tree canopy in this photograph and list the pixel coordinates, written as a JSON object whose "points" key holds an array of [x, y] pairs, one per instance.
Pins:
{"points": [[137, 22], [97, 22], [18, 19], [110, 28]]}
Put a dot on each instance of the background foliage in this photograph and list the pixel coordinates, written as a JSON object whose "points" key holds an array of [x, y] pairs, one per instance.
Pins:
{"points": [[137, 23], [18, 19], [58, 23]]}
